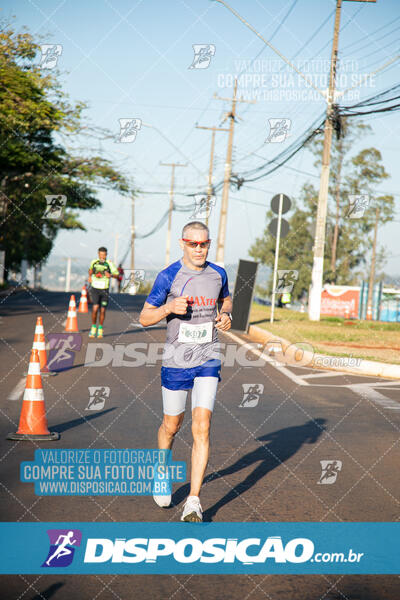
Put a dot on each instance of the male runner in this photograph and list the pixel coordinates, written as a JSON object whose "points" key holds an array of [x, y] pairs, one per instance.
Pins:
{"points": [[100, 272], [187, 293]]}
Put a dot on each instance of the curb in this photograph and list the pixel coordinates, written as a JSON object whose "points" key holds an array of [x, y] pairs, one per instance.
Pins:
{"points": [[10, 291], [316, 361]]}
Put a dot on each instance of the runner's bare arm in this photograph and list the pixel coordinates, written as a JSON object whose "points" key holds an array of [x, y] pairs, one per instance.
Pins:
{"points": [[151, 315], [226, 305]]}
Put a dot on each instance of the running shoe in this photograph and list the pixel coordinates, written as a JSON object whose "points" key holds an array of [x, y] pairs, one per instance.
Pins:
{"points": [[92, 332], [192, 511], [161, 484], [100, 332]]}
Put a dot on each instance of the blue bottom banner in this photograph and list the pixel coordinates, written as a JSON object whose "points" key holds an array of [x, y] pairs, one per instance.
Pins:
{"points": [[200, 548]]}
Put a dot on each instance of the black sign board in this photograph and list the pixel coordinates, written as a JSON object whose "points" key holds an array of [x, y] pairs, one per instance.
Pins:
{"points": [[243, 294]]}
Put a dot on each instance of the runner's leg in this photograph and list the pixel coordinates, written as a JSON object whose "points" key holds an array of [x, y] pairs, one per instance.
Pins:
{"points": [[102, 314], [203, 399], [174, 402], [94, 313], [95, 310]]}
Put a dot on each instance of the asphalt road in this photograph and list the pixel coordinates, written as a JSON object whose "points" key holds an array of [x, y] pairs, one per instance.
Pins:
{"points": [[267, 456]]}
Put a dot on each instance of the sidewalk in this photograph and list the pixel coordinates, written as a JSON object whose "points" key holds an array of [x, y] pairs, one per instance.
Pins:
{"points": [[12, 289], [295, 355]]}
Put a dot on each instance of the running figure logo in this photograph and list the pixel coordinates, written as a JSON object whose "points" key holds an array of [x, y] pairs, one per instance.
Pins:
{"points": [[62, 350], [128, 129], [50, 55], [330, 470], [203, 54], [202, 208], [62, 547], [278, 130], [251, 394], [97, 397], [55, 207], [358, 204], [286, 281]]}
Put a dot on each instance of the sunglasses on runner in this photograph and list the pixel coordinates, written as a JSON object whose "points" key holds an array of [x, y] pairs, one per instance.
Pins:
{"points": [[193, 244]]}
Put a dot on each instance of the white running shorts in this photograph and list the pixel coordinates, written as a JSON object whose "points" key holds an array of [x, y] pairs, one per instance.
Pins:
{"points": [[204, 392]]}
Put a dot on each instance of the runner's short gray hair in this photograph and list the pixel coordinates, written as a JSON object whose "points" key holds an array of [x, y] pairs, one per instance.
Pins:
{"points": [[195, 225]]}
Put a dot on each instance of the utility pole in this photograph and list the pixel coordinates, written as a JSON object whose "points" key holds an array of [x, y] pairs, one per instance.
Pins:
{"points": [[227, 174], [2, 266], [115, 255], [115, 258], [373, 262], [314, 304], [133, 233], [171, 205], [210, 170], [37, 276], [68, 275]]}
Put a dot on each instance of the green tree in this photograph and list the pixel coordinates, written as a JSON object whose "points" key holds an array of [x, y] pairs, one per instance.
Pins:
{"points": [[296, 249], [35, 115], [369, 173]]}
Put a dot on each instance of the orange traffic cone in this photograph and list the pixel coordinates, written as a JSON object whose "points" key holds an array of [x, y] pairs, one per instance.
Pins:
{"points": [[83, 302], [39, 343], [33, 421], [347, 312], [369, 313], [71, 325]]}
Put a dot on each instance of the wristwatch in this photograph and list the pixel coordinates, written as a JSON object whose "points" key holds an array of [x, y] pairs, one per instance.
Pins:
{"points": [[227, 313]]}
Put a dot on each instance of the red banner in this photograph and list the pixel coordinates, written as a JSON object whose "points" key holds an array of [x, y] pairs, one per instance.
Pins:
{"points": [[340, 301]]}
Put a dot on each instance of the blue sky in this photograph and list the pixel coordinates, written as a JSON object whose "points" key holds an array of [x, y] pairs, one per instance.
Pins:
{"points": [[130, 59]]}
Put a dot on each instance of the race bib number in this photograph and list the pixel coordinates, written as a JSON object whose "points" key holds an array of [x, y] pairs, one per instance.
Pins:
{"points": [[198, 334]]}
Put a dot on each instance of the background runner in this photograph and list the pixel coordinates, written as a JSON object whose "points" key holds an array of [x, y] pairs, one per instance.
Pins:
{"points": [[100, 272]]}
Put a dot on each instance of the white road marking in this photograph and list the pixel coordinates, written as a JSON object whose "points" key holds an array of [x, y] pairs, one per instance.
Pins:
{"points": [[322, 374], [387, 383], [18, 390], [365, 390], [272, 361]]}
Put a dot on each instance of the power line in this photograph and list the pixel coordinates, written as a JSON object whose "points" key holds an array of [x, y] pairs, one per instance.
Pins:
{"points": [[283, 156], [376, 101], [270, 39], [396, 41], [373, 33], [286, 60], [312, 36]]}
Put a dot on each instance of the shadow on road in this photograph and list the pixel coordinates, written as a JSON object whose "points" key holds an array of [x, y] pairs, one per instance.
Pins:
{"points": [[76, 422], [49, 592], [135, 330], [266, 320], [278, 446], [64, 369]]}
